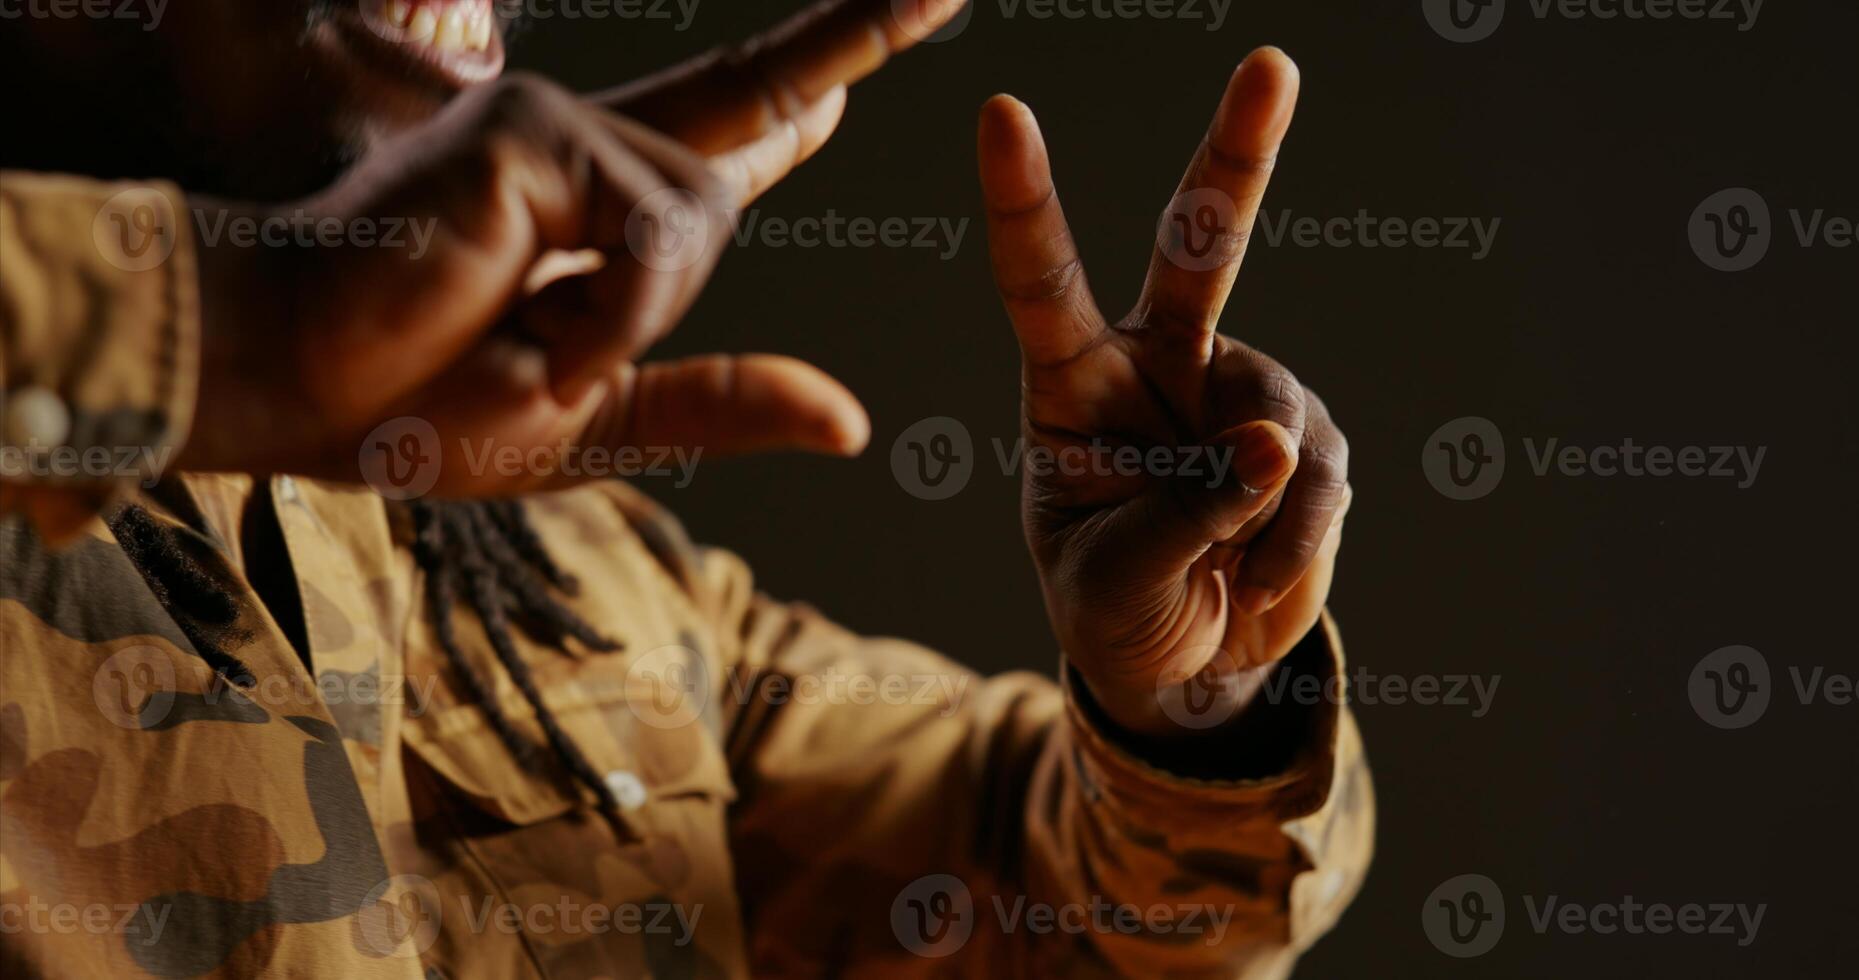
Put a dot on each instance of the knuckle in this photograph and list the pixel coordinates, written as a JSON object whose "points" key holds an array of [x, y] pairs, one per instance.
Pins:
{"points": [[523, 119], [1051, 284], [1280, 394], [1249, 166], [1169, 320], [1325, 464], [522, 96]]}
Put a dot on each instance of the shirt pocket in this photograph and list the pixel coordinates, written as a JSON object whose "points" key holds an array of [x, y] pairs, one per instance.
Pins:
{"points": [[606, 710], [646, 888]]}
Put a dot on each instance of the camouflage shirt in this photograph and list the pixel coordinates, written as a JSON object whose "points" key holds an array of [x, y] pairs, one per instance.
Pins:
{"points": [[787, 798]]}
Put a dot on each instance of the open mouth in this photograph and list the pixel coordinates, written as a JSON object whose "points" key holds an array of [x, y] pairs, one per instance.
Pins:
{"points": [[455, 43]]}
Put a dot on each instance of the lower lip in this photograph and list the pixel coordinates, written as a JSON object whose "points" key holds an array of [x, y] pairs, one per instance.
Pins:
{"points": [[370, 32]]}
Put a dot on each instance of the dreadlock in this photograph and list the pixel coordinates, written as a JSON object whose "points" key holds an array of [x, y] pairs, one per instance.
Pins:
{"points": [[487, 553]]}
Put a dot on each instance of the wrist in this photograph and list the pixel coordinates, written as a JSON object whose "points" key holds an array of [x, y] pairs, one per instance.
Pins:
{"points": [[1253, 737], [1151, 708]]}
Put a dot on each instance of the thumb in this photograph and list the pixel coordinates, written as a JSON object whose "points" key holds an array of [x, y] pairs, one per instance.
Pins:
{"points": [[1172, 524], [729, 404]]}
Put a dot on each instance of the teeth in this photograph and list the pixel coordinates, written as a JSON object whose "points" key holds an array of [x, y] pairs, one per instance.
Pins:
{"points": [[423, 25], [451, 36], [454, 26]]}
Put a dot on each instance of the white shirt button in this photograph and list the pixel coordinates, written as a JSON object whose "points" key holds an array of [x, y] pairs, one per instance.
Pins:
{"points": [[36, 418], [627, 788]]}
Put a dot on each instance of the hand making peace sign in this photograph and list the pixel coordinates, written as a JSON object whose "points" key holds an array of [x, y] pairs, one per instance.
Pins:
{"points": [[1153, 578]]}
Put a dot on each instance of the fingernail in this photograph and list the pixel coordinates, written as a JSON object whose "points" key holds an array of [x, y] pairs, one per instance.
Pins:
{"points": [[1262, 454], [1254, 600]]}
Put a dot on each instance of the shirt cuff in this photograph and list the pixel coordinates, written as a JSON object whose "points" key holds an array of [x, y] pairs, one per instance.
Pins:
{"points": [[99, 337], [1277, 759]]}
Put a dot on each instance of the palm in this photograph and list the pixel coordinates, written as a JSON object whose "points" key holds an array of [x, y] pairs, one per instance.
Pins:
{"points": [[1158, 570]]}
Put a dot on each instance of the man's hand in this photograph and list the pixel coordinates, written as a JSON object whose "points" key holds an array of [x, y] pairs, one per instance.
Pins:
{"points": [[570, 236], [1156, 580]]}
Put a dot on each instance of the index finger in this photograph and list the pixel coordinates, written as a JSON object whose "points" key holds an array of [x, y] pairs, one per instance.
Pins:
{"points": [[735, 95]]}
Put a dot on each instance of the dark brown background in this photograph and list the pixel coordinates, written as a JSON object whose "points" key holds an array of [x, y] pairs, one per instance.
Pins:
{"points": [[1591, 778]]}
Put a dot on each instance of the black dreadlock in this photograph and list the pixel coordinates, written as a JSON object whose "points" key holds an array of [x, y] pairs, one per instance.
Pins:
{"points": [[488, 552]]}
